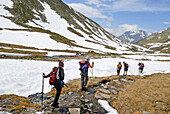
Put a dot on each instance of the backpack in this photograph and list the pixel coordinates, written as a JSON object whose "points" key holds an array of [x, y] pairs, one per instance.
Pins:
{"points": [[54, 76], [83, 66], [142, 65], [126, 65]]}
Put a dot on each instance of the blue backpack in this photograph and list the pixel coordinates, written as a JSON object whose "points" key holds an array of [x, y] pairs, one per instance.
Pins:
{"points": [[83, 66]]}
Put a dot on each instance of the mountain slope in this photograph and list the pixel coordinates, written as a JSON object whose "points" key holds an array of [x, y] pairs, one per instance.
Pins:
{"points": [[50, 26], [134, 36], [159, 41]]}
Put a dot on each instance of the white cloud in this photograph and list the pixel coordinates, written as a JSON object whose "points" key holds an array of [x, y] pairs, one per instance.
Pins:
{"points": [[86, 10], [166, 23], [139, 5], [98, 3], [123, 28]]}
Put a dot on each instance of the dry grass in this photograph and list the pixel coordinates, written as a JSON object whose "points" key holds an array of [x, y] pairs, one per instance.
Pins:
{"points": [[150, 94], [19, 101]]}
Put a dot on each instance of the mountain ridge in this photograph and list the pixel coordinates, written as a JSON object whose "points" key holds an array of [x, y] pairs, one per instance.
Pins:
{"points": [[134, 36], [159, 41], [63, 24]]}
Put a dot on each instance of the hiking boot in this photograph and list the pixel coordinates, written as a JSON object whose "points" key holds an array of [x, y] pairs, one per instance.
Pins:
{"points": [[55, 106], [84, 89]]}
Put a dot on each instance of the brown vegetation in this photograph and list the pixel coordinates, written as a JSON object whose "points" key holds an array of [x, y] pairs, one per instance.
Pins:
{"points": [[150, 94]]}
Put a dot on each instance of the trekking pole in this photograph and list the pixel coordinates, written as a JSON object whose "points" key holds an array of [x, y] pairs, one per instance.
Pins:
{"points": [[92, 73], [42, 88], [66, 85]]}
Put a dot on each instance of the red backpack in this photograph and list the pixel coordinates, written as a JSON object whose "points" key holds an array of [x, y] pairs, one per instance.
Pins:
{"points": [[53, 76], [126, 65]]}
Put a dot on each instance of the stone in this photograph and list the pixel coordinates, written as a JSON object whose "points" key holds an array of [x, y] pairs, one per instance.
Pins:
{"points": [[4, 106], [113, 87], [86, 100], [105, 87], [48, 97], [48, 112], [104, 91], [117, 81], [105, 96], [71, 104], [74, 110], [144, 112], [90, 105], [69, 93], [102, 85], [24, 108], [97, 96], [114, 92]]}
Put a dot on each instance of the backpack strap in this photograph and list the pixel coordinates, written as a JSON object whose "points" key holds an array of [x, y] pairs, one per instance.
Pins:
{"points": [[57, 74]]}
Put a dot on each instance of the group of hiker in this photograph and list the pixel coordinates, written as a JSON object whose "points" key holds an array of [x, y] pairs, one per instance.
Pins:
{"points": [[56, 76], [126, 66]]}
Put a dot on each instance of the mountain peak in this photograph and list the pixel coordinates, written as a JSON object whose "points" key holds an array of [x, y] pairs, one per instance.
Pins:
{"points": [[134, 36]]}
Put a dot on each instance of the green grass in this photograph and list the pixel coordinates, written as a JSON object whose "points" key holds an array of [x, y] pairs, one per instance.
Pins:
{"points": [[74, 31], [22, 52]]}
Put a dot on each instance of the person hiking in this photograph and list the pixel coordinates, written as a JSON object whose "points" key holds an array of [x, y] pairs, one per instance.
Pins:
{"points": [[141, 67], [84, 65], [126, 66], [119, 66], [56, 78]]}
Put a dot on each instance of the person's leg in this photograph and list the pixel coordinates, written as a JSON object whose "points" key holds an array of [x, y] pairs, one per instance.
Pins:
{"points": [[86, 79], [117, 72], [82, 80], [58, 89]]}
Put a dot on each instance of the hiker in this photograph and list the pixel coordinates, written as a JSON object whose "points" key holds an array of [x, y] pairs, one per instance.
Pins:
{"points": [[141, 67], [119, 66], [126, 66], [56, 78], [84, 65]]}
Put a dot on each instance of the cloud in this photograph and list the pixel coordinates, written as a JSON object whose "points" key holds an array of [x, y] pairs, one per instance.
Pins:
{"points": [[122, 29], [166, 23], [139, 5], [98, 3], [86, 10]]}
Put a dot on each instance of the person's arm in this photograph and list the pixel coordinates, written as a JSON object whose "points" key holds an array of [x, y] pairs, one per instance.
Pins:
{"points": [[91, 66], [46, 76]]}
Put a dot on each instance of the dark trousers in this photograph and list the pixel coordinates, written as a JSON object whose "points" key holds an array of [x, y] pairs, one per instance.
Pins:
{"points": [[118, 71], [58, 89], [84, 79]]}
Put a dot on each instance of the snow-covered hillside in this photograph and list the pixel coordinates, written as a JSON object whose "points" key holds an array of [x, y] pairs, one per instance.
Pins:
{"points": [[56, 32], [159, 41]]}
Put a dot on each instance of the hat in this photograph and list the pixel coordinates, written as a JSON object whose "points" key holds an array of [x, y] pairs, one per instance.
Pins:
{"points": [[87, 58], [60, 64]]}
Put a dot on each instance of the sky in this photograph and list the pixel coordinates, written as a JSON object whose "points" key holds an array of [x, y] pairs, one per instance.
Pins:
{"points": [[118, 16]]}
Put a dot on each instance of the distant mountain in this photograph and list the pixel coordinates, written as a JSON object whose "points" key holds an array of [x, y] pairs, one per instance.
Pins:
{"points": [[159, 41], [134, 36], [52, 26]]}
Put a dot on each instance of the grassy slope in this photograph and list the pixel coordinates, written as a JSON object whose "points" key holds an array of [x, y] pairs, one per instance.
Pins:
{"points": [[157, 38], [150, 94]]}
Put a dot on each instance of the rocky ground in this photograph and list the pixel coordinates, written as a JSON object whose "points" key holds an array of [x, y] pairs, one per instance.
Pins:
{"points": [[114, 89]]}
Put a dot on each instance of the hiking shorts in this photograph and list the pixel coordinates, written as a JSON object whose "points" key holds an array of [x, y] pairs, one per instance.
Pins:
{"points": [[126, 69]]}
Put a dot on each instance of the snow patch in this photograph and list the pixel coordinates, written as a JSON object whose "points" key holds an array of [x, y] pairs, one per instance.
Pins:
{"points": [[107, 107]]}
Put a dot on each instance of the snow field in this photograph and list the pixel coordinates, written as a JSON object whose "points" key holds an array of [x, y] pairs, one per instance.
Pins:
{"points": [[24, 77]]}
